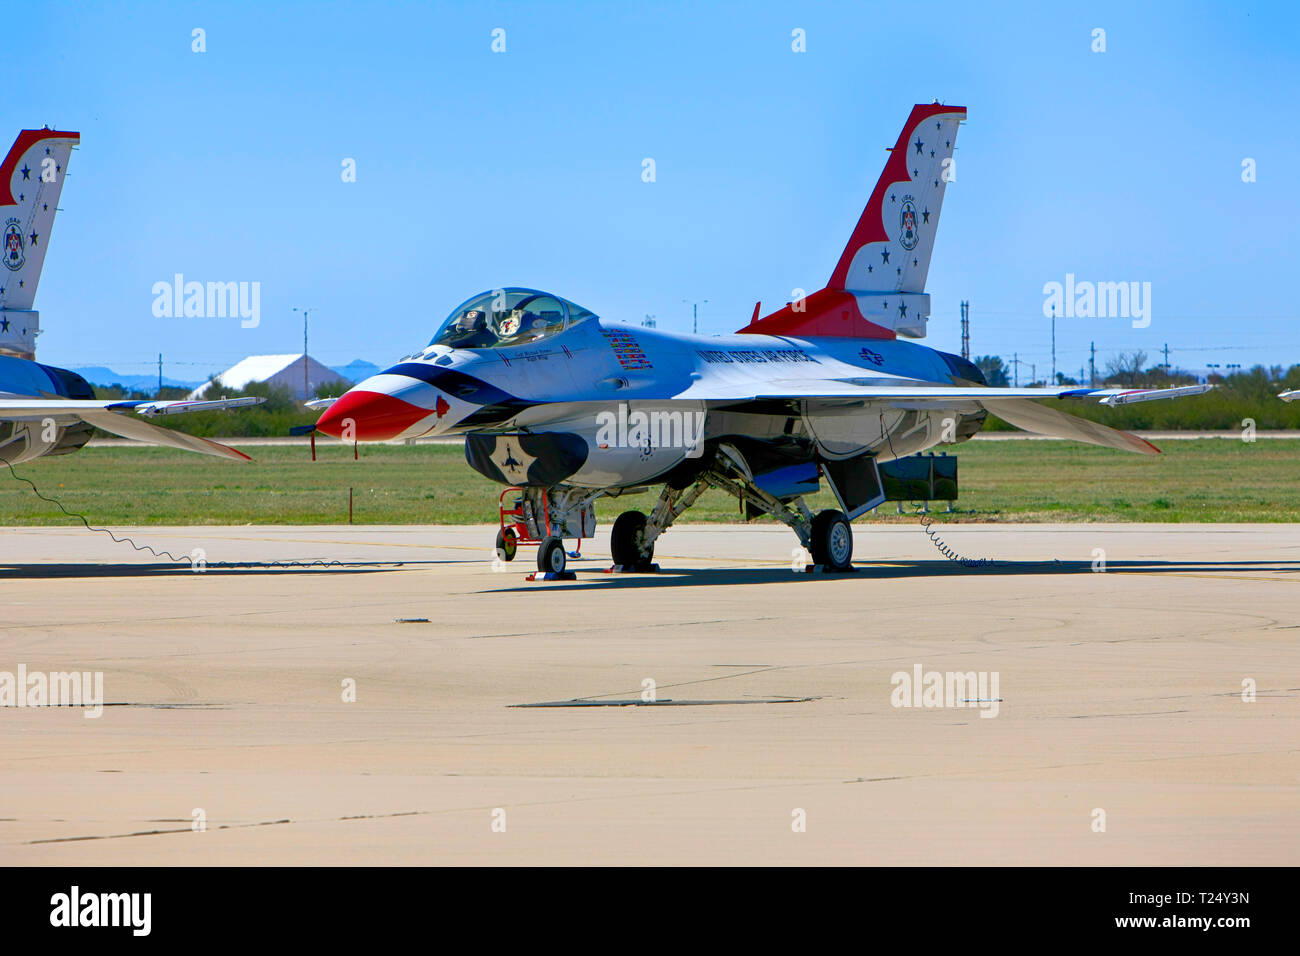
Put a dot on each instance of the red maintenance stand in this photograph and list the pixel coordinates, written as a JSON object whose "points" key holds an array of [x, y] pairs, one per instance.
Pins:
{"points": [[519, 525]]}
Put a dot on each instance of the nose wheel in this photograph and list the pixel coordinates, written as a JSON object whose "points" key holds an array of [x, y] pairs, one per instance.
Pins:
{"points": [[832, 540], [551, 556]]}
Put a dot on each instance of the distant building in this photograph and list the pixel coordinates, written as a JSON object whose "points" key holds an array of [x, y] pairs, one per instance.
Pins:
{"points": [[284, 371]]}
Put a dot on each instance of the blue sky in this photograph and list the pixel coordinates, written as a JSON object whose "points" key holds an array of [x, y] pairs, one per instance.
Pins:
{"points": [[478, 169]]}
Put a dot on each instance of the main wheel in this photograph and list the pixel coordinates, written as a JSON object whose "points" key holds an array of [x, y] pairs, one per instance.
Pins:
{"points": [[627, 540], [832, 540], [551, 556], [507, 544]]}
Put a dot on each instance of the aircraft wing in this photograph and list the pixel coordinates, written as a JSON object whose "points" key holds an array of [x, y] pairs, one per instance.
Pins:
{"points": [[867, 390], [1013, 405], [114, 417]]}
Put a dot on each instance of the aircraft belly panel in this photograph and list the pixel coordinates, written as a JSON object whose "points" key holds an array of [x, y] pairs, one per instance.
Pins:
{"points": [[887, 432], [623, 467], [848, 432]]}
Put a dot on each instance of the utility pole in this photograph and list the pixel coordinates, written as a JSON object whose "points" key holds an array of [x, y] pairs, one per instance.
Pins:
{"points": [[1092, 364], [1015, 366], [1166, 358], [1053, 345], [306, 385], [159, 373], [695, 314], [965, 330], [1033, 372]]}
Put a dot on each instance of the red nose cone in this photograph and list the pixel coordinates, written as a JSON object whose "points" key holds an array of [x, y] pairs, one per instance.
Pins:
{"points": [[369, 416]]}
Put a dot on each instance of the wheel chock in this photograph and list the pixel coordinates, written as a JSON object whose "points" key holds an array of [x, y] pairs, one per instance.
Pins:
{"points": [[827, 569], [632, 569]]}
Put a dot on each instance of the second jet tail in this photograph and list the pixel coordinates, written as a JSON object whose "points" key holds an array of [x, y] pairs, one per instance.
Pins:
{"points": [[31, 178]]}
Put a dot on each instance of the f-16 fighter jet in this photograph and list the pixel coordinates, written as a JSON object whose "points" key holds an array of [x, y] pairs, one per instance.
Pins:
{"points": [[46, 410], [570, 408]]}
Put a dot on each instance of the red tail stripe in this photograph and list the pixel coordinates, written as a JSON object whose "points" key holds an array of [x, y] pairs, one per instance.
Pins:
{"points": [[25, 141], [871, 227]]}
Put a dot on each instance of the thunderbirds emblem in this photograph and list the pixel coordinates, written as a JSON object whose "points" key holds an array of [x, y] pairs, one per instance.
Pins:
{"points": [[510, 457], [510, 324], [907, 220], [13, 246]]}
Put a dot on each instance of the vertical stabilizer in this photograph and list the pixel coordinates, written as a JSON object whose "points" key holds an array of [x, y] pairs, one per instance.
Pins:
{"points": [[31, 178], [878, 287]]}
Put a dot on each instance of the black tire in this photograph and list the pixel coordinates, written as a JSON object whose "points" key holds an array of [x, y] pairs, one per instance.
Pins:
{"points": [[626, 540], [832, 540], [507, 544], [551, 556]]}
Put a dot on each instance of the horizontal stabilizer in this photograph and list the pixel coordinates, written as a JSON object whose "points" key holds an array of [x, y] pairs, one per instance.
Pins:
{"points": [[130, 427], [1041, 420], [113, 417]]}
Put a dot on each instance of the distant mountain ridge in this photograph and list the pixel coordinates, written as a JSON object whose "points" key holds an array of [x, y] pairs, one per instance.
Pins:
{"points": [[104, 377], [100, 375], [356, 370]]}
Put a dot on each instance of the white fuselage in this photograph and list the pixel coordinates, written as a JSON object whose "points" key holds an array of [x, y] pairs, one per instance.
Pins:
{"points": [[641, 400]]}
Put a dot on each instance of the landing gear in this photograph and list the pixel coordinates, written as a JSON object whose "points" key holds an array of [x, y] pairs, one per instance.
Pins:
{"points": [[539, 515], [832, 540], [550, 556], [627, 541], [633, 537], [827, 534], [507, 544]]}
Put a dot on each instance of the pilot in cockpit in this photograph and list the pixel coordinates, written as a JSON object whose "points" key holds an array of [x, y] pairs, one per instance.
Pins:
{"points": [[470, 329]]}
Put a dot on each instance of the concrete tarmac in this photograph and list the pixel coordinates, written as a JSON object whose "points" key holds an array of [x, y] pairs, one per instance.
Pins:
{"points": [[1147, 709]]}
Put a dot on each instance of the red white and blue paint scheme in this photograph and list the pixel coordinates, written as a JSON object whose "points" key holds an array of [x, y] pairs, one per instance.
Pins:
{"points": [[571, 407], [45, 410]]}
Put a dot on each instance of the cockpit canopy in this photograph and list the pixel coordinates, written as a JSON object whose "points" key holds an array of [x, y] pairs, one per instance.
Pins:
{"points": [[505, 317]]}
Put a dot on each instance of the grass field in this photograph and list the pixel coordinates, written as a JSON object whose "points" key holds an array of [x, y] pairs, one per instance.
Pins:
{"points": [[1195, 480]]}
